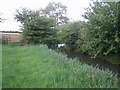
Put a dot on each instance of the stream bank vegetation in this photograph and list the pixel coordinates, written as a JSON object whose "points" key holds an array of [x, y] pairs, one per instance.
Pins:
{"points": [[98, 35], [36, 66]]}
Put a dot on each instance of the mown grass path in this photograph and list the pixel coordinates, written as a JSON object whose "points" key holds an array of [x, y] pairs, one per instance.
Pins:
{"points": [[40, 67]]}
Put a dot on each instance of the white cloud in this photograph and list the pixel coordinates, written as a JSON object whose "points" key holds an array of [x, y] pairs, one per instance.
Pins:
{"points": [[8, 9]]}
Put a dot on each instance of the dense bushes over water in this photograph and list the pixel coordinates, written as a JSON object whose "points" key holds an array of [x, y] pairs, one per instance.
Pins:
{"points": [[99, 35]]}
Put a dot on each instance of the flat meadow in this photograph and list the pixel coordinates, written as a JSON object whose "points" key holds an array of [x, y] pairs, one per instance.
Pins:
{"points": [[36, 66]]}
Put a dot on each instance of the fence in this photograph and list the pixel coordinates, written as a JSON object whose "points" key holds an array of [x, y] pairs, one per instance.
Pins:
{"points": [[13, 39]]}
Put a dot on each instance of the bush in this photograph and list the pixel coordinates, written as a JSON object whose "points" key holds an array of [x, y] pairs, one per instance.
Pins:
{"points": [[103, 35], [69, 34]]}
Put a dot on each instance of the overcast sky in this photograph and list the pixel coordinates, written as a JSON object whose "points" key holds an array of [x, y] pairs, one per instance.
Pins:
{"points": [[8, 9]]}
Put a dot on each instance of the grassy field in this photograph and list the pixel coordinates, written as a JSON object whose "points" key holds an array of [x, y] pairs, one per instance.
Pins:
{"points": [[39, 67]]}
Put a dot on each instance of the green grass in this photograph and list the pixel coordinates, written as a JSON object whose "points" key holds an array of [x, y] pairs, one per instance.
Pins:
{"points": [[0, 66], [39, 67]]}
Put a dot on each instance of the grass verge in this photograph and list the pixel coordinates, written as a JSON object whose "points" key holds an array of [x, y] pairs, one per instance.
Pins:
{"points": [[39, 67]]}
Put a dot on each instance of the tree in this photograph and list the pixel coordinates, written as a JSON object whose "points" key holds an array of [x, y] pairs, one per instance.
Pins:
{"points": [[36, 28], [103, 32], [40, 31], [25, 15], [57, 11]]}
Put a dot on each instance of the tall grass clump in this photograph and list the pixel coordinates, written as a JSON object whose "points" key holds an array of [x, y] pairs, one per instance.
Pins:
{"points": [[39, 67]]}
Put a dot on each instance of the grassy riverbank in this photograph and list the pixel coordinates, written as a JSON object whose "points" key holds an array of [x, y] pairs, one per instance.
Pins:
{"points": [[40, 67]]}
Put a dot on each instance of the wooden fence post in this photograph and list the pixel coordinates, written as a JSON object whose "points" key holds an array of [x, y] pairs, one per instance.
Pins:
{"points": [[26, 42]]}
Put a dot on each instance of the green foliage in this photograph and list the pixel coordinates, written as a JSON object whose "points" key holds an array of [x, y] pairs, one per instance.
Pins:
{"points": [[99, 35], [40, 31], [0, 65], [103, 34], [69, 34], [39, 67], [24, 15], [57, 11], [36, 28]]}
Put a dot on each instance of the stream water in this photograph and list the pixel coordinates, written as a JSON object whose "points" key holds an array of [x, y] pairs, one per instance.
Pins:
{"points": [[95, 62]]}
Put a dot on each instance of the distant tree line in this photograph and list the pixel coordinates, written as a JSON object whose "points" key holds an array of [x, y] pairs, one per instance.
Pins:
{"points": [[10, 31]]}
